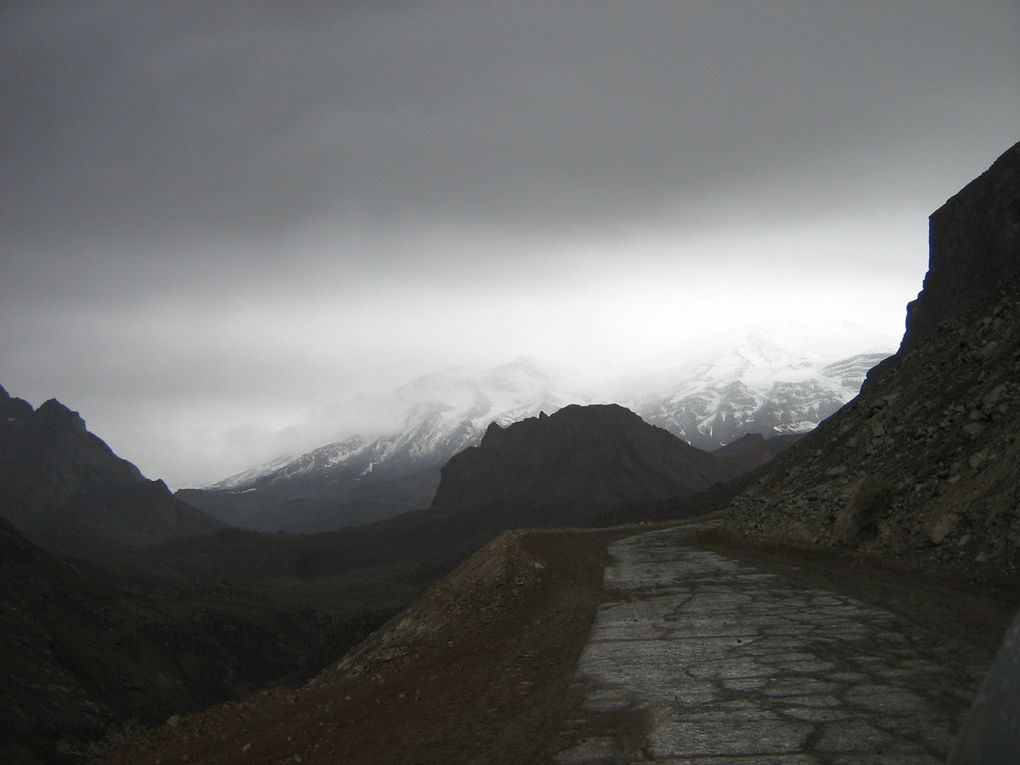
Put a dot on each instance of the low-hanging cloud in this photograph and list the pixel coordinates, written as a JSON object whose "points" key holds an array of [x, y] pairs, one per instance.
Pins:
{"points": [[149, 118], [217, 218]]}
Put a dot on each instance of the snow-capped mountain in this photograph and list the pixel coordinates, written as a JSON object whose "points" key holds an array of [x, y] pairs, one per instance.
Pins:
{"points": [[369, 478], [710, 395], [709, 414], [444, 413], [759, 383]]}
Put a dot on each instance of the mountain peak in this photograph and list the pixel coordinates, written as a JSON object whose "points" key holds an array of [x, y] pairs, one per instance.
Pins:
{"points": [[571, 464], [614, 411], [13, 408], [492, 433], [55, 414], [65, 488]]}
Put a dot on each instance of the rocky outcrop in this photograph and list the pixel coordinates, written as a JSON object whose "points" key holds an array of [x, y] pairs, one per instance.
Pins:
{"points": [[974, 250], [568, 467], [13, 409], [923, 465]]}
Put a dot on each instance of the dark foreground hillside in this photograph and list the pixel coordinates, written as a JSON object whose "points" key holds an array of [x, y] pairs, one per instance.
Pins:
{"points": [[82, 655], [480, 667]]}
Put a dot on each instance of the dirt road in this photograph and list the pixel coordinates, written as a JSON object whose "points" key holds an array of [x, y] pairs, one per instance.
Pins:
{"points": [[706, 658], [672, 647]]}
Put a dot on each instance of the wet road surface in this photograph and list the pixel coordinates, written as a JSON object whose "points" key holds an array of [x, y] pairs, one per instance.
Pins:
{"points": [[704, 659]]}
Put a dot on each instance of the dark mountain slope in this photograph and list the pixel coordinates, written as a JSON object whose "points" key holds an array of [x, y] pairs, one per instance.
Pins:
{"points": [[567, 468], [306, 506], [925, 463], [78, 655], [749, 456], [67, 491], [754, 450]]}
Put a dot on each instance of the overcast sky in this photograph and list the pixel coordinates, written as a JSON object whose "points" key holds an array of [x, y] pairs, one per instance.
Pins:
{"points": [[218, 217]]}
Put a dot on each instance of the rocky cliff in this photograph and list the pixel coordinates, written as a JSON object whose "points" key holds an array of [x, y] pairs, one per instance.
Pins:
{"points": [[974, 241], [923, 465]]}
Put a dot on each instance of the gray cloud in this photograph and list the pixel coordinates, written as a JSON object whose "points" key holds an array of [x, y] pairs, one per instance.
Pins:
{"points": [[248, 206], [151, 118]]}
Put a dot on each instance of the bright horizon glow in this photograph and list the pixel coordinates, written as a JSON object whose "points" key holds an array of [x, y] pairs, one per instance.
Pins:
{"points": [[218, 220], [623, 300]]}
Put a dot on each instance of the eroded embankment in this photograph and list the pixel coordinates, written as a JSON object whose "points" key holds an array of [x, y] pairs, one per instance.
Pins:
{"points": [[480, 669]]}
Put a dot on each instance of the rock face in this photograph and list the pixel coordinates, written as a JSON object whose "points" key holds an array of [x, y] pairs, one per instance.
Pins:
{"points": [[923, 465], [974, 241], [67, 491], [566, 468]]}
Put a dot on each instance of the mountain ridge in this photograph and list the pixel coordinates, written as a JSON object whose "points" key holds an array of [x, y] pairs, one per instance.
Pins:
{"points": [[580, 460], [65, 489], [764, 386], [606, 456]]}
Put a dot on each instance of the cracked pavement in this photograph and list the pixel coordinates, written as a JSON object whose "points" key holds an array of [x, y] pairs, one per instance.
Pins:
{"points": [[703, 659]]}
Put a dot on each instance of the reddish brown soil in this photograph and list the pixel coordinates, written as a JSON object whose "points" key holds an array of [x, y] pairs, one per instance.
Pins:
{"points": [[491, 686]]}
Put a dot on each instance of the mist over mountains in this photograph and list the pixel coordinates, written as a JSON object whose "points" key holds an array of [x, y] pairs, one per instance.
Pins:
{"points": [[779, 381]]}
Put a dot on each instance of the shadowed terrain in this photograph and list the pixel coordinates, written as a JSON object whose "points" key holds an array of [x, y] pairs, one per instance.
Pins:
{"points": [[863, 581], [845, 612]]}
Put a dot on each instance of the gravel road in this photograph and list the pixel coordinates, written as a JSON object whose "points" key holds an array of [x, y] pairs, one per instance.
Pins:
{"points": [[721, 660]]}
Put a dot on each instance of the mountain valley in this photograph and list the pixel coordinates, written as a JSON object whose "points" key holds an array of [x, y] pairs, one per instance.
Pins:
{"points": [[166, 617], [905, 499], [454, 622]]}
